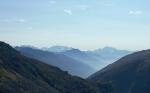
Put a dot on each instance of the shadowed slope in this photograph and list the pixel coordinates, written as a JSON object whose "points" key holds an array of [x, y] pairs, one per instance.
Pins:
{"points": [[19, 74], [130, 74]]}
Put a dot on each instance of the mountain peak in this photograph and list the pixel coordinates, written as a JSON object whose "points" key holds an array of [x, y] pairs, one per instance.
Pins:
{"points": [[3, 44], [74, 50], [6, 49], [58, 48], [109, 48]]}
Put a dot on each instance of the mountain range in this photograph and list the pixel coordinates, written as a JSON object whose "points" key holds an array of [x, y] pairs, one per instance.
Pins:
{"points": [[97, 59], [20, 74], [75, 61], [73, 66]]}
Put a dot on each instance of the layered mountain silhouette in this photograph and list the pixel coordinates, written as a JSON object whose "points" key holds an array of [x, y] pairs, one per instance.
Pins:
{"points": [[97, 59], [73, 66], [130, 74], [20, 74], [111, 53], [92, 60]]}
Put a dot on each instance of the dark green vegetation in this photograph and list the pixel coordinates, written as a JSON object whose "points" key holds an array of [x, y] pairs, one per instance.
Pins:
{"points": [[131, 74], [19, 74]]}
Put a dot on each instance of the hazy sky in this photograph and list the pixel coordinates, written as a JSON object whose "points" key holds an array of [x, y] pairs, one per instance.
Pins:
{"points": [[85, 24]]}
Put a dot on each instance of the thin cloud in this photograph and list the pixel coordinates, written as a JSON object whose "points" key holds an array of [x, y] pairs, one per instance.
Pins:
{"points": [[68, 11], [108, 3], [52, 2], [83, 7], [21, 20], [137, 12]]}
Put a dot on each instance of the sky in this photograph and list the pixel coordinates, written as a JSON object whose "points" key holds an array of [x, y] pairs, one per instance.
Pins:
{"points": [[84, 24]]}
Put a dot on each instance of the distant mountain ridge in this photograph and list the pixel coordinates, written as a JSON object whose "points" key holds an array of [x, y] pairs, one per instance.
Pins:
{"points": [[99, 58], [75, 61], [84, 57], [61, 61], [57, 49], [112, 52]]}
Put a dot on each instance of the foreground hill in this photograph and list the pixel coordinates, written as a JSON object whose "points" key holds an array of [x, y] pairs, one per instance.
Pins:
{"points": [[130, 74], [61, 61], [19, 74]]}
